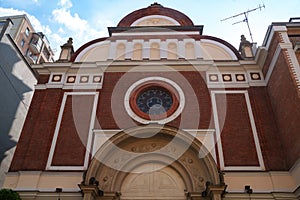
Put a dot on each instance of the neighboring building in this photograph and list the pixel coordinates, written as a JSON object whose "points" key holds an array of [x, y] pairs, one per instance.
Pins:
{"points": [[158, 110], [33, 45], [17, 80]]}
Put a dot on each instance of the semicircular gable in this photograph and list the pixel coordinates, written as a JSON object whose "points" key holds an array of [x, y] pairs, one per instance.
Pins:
{"points": [[155, 9], [218, 49], [82, 53]]}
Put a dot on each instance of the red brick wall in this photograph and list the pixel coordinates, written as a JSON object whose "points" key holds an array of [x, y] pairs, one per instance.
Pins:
{"points": [[271, 51], [270, 143], [188, 81], [294, 39], [74, 130], [35, 141], [286, 106], [236, 133], [43, 79], [34, 145], [298, 56]]}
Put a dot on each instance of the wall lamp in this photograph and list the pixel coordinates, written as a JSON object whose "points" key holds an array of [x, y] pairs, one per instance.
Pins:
{"points": [[58, 190], [248, 189]]}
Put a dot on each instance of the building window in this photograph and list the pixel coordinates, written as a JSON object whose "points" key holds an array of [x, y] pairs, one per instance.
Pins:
{"points": [[28, 52], [2, 24], [154, 99], [27, 31], [22, 43]]}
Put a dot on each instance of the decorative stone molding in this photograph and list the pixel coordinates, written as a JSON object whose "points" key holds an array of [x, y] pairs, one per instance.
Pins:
{"points": [[194, 171]]}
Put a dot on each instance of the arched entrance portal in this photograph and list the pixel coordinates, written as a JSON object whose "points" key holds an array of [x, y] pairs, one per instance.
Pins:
{"points": [[152, 162]]}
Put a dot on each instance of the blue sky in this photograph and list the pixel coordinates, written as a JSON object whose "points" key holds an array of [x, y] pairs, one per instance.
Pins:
{"points": [[87, 20]]}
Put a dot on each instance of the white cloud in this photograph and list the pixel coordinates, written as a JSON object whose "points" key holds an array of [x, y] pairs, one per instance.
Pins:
{"points": [[38, 27], [10, 11], [73, 23], [64, 24], [65, 3]]}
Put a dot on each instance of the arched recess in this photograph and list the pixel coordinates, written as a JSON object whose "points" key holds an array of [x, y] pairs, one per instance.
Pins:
{"points": [[137, 53], [172, 51], [174, 150], [154, 51], [190, 51], [120, 54]]}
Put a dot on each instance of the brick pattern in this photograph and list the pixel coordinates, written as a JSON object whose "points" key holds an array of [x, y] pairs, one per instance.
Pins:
{"points": [[267, 130], [294, 39], [74, 129], [292, 69], [272, 48], [43, 79], [298, 56], [286, 106], [190, 81], [36, 138], [42, 117], [236, 135], [155, 10]]}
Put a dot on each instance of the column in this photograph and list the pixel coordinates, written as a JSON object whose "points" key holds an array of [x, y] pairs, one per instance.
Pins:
{"points": [[90, 192], [216, 191]]}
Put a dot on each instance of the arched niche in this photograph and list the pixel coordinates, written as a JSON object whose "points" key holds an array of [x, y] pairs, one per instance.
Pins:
{"points": [[137, 53], [134, 151]]}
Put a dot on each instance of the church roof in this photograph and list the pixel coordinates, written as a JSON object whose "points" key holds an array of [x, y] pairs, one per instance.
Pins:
{"points": [[156, 9]]}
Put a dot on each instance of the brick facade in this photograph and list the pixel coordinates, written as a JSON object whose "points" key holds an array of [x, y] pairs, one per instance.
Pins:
{"points": [[286, 106], [38, 131], [226, 114], [237, 135]]}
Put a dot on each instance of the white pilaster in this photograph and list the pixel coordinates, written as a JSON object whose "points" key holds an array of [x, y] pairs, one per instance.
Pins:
{"points": [[112, 51], [181, 49], [198, 49], [129, 50], [146, 50], [163, 49]]}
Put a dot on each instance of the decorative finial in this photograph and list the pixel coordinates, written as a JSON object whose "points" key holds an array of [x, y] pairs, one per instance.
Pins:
{"points": [[67, 51], [155, 4], [246, 48], [69, 42]]}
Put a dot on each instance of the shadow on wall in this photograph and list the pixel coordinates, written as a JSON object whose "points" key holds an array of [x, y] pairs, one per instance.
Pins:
{"points": [[11, 90]]}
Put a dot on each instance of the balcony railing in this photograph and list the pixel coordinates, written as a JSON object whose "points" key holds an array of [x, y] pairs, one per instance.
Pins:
{"points": [[36, 44]]}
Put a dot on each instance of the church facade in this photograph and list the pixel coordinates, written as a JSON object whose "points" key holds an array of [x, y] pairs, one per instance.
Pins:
{"points": [[158, 110]]}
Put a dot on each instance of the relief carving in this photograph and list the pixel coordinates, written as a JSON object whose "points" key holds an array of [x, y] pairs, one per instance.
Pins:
{"points": [[199, 181], [155, 22]]}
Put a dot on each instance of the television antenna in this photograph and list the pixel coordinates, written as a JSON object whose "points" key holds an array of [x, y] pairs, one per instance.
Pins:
{"points": [[246, 19]]}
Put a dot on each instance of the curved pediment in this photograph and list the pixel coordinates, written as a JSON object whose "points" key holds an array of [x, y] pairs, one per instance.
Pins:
{"points": [[165, 15], [201, 47]]}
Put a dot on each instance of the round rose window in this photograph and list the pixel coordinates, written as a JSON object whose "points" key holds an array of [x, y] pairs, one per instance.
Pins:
{"points": [[153, 101]]}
